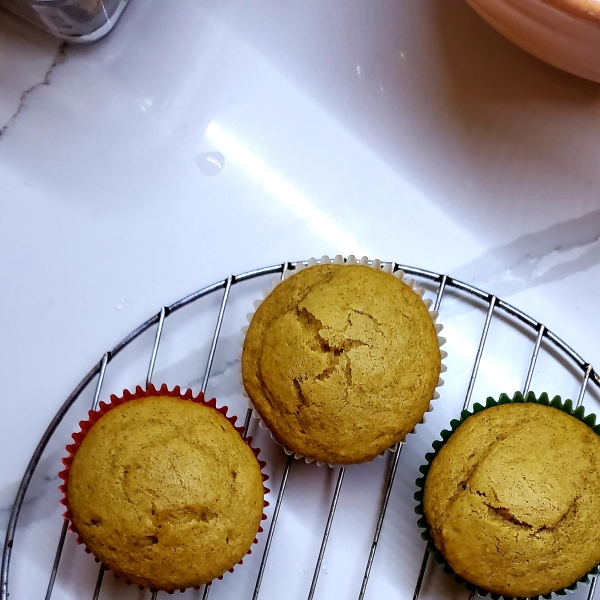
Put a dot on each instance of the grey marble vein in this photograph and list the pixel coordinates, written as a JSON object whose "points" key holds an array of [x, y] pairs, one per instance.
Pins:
{"points": [[189, 371], [58, 59], [42, 495], [539, 258]]}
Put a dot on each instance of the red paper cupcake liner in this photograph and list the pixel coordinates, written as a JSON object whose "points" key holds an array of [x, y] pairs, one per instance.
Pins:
{"points": [[151, 391]]}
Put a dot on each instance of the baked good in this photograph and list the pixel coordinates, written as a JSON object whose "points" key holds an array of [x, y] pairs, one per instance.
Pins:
{"points": [[341, 362], [512, 499], [165, 492]]}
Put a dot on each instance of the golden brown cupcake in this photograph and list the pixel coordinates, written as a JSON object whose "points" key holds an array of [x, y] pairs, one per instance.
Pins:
{"points": [[341, 362], [512, 499], [164, 490]]}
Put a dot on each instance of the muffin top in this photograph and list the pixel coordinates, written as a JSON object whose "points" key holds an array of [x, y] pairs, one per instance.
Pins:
{"points": [[165, 492], [341, 362], [513, 499]]}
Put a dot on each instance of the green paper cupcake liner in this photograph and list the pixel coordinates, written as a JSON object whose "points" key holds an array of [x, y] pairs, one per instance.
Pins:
{"points": [[556, 402]]}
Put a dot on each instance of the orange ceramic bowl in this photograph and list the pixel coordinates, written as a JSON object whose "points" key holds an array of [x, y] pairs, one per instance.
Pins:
{"points": [[564, 33]]}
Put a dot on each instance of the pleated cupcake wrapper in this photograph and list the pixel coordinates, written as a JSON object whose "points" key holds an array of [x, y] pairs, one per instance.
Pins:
{"points": [[151, 391], [351, 260], [556, 402]]}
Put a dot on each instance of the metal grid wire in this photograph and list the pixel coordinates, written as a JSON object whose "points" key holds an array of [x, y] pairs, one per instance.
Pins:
{"points": [[443, 283]]}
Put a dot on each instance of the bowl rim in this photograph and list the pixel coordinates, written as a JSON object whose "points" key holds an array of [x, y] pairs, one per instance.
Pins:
{"points": [[588, 10]]}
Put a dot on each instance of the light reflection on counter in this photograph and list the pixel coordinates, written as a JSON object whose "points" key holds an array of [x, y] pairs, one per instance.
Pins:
{"points": [[284, 191]]}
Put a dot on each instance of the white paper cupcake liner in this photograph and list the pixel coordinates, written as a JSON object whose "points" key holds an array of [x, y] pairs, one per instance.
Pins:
{"points": [[386, 267]]}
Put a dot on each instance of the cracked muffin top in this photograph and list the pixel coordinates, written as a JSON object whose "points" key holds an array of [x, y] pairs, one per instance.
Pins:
{"points": [[341, 362], [165, 492], [513, 499]]}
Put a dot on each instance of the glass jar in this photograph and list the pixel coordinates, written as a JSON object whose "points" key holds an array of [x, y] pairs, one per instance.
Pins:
{"points": [[76, 21]]}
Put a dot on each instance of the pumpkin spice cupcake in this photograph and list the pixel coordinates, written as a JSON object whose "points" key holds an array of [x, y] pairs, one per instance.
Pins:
{"points": [[341, 361], [511, 497], [162, 488]]}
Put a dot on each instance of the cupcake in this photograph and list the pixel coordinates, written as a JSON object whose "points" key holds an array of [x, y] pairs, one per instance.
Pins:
{"points": [[341, 362], [163, 489], [511, 500]]}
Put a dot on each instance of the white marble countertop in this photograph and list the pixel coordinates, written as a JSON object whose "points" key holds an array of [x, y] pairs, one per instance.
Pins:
{"points": [[406, 131]]}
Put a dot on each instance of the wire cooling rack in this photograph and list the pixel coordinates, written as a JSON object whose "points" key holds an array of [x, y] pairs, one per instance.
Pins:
{"points": [[372, 549]]}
